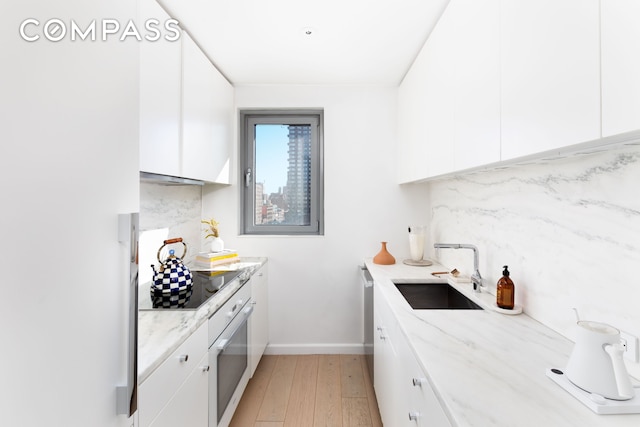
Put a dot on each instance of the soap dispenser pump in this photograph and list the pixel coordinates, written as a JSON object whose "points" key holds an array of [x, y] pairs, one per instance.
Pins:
{"points": [[505, 291]]}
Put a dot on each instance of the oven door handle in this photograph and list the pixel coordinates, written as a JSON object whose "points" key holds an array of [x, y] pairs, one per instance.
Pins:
{"points": [[222, 344]]}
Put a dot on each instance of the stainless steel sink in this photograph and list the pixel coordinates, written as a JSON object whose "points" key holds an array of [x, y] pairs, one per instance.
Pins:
{"points": [[435, 296]]}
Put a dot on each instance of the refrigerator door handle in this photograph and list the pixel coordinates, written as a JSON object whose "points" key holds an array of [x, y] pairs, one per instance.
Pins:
{"points": [[127, 395]]}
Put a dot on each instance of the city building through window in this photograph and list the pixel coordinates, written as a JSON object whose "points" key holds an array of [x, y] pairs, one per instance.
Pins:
{"points": [[282, 176]]}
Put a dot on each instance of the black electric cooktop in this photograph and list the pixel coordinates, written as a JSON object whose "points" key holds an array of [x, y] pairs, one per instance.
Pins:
{"points": [[205, 285]]}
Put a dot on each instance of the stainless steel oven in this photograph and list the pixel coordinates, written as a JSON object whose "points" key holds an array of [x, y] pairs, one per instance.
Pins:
{"points": [[228, 356]]}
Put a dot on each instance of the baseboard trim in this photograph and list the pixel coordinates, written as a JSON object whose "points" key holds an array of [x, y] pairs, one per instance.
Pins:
{"points": [[274, 349]]}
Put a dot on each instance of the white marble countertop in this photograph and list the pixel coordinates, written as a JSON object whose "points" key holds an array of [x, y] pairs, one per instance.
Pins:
{"points": [[160, 332], [488, 368]]}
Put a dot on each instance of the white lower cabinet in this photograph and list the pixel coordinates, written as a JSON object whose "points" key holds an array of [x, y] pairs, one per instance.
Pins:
{"points": [[405, 397], [186, 407], [421, 406], [176, 393], [259, 320], [384, 366]]}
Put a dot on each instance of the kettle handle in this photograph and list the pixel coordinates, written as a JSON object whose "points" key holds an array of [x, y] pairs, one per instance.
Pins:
{"points": [[170, 241], [625, 390]]}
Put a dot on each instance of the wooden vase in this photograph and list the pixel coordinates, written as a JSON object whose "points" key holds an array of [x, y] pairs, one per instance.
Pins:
{"points": [[384, 257]]}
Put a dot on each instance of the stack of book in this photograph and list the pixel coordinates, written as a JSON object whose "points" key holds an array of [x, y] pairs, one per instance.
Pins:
{"points": [[212, 259]]}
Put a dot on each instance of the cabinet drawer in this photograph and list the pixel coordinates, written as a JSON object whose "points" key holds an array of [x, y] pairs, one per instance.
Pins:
{"points": [[422, 401], [162, 384], [426, 405]]}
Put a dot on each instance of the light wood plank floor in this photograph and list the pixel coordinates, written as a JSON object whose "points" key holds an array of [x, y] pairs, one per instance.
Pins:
{"points": [[309, 391]]}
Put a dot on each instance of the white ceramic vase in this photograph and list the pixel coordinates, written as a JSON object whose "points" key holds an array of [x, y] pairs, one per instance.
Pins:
{"points": [[217, 244]]}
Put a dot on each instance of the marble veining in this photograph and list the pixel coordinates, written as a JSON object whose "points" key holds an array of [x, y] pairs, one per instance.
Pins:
{"points": [[568, 228], [177, 208], [488, 369], [161, 332]]}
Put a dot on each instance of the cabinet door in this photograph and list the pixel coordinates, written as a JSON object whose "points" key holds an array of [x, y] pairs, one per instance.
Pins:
{"points": [[162, 385], [207, 107], [620, 66], [422, 405], [425, 109], [438, 122], [383, 365], [190, 405], [550, 74], [160, 97], [477, 82], [412, 110], [259, 320], [386, 365]]}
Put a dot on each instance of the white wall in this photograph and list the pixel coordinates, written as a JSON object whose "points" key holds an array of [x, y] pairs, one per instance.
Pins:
{"points": [[568, 229], [69, 165], [315, 298]]}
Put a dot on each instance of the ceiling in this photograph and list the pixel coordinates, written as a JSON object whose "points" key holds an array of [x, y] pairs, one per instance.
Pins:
{"points": [[350, 41]]}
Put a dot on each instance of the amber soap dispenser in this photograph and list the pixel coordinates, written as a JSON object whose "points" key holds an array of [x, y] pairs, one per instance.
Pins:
{"points": [[505, 291]]}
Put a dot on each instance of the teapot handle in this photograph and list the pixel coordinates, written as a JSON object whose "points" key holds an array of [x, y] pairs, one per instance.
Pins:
{"points": [[625, 390], [170, 241]]}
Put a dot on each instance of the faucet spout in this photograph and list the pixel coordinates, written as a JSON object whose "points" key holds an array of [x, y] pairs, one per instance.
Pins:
{"points": [[476, 278]]}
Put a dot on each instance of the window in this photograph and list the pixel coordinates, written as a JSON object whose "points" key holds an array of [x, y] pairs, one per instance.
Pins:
{"points": [[282, 172]]}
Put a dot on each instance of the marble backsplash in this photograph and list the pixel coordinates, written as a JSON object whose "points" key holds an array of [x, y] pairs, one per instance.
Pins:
{"points": [[569, 230], [168, 211]]}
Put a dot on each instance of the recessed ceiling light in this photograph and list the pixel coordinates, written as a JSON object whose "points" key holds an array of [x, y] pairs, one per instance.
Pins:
{"points": [[308, 31]]}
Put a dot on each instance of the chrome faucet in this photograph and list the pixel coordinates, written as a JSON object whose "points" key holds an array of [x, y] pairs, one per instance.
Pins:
{"points": [[476, 278]]}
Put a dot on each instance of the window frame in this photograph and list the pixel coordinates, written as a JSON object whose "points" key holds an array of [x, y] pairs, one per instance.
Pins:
{"points": [[249, 118]]}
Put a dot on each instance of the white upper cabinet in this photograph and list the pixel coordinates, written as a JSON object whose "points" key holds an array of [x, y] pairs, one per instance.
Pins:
{"points": [[550, 74], [449, 101], [412, 147], [620, 66], [186, 108], [498, 80], [425, 108], [207, 108], [477, 82], [438, 123], [160, 93]]}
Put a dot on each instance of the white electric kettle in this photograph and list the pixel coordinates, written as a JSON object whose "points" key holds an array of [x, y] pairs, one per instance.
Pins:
{"points": [[596, 363]]}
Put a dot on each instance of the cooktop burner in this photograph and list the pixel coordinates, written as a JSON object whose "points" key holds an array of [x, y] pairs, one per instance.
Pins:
{"points": [[205, 285]]}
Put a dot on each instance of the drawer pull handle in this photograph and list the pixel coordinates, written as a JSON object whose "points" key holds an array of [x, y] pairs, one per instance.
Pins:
{"points": [[183, 358], [413, 416], [205, 368]]}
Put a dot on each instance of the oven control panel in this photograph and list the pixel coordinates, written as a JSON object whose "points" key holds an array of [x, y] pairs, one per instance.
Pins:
{"points": [[221, 318]]}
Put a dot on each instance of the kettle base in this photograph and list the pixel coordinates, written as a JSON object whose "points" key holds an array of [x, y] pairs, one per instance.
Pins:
{"points": [[596, 403]]}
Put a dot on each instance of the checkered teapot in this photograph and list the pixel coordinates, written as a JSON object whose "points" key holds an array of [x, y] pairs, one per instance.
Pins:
{"points": [[172, 282]]}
